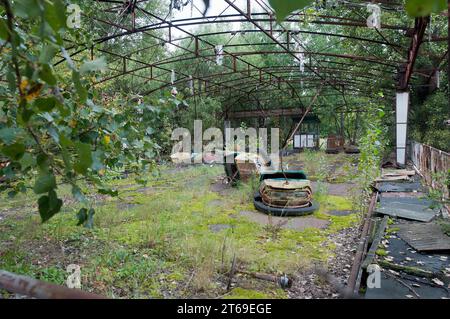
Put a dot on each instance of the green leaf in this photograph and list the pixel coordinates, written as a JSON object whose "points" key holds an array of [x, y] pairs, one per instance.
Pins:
{"points": [[421, 8], [97, 160], [14, 151], [47, 54], [207, 3], [90, 219], [11, 77], [284, 7], [27, 8], [95, 108], [27, 161], [53, 133], [3, 29], [65, 143], [45, 104], [46, 74], [94, 65], [26, 113], [44, 183], [84, 160], [82, 216], [9, 134], [12, 194], [55, 14], [108, 191], [42, 161], [141, 181], [78, 194], [81, 90], [8, 173], [86, 217], [49, 205]]}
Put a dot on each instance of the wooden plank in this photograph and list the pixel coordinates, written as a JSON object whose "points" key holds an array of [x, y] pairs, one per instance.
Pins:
{"points": [[397, 172], [370, 257], [424, 237], [388, 178]]}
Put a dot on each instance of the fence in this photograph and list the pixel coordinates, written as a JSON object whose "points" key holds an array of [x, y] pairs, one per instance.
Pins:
{"points": [[430, 161]]}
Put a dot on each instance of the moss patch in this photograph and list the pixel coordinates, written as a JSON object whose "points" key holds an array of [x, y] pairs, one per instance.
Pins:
{"points": [[381, 252], [241, 293], [164, 246]]}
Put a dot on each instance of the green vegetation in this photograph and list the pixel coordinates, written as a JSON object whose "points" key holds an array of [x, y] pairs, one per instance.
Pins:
{"points": [[445, 227], [157, 240], [427, 120], [381, 252], [240, 293], [87, 113]]}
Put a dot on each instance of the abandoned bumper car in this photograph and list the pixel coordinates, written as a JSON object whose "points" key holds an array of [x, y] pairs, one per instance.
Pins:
{"points": [[285, 194]]}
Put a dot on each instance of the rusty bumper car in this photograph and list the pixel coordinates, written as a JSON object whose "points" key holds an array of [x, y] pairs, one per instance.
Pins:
{"points": [[285, 194]]}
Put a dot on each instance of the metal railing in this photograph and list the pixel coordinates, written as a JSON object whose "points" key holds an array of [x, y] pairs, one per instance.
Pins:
{"points": [[430, 162]]}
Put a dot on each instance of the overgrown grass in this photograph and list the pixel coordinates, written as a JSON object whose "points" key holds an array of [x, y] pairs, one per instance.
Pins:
{"points": [[156, 241], [319, 166]]}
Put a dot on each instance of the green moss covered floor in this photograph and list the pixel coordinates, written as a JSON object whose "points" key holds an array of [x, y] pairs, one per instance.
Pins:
{"points": [[175, 237]]}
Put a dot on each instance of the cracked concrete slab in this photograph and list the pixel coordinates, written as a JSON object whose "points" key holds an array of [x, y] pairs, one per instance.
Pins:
{"points": [[296, 223]]}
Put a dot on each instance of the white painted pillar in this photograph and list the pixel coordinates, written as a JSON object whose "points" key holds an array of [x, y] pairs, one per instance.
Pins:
{"points": [[226, 126], [401, 111]]}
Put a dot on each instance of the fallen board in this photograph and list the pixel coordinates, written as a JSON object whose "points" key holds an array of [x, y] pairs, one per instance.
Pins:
{"points": [[424, 237], [397, 172], [413, 200], [403, 194], [383, 187], [408, 208], [391, 288], [370, 256]]}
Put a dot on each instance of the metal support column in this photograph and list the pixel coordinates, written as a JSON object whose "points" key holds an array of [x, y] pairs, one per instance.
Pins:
{"points": [[401, 115]]}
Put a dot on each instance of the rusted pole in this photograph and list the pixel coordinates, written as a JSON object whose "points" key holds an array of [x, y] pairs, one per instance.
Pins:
{"points": [[362, 245], [196, 47], [303, 117], [39, 289], [420, 27]]}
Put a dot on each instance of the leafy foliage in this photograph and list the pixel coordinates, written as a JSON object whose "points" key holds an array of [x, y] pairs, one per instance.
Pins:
{"points": [[427, 121], [419, 8], [62, 121], [54, 126], [372, 146], [415, 8], [284, 7]]}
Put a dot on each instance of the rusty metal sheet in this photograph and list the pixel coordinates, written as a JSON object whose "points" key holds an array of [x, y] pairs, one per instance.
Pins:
{"points": [[385, 187], [424, 237], [403, 194], [421, 201], [407, 208]]}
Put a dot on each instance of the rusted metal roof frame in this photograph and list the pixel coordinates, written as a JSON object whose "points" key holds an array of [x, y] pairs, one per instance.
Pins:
{"points": [[319, 70]]}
